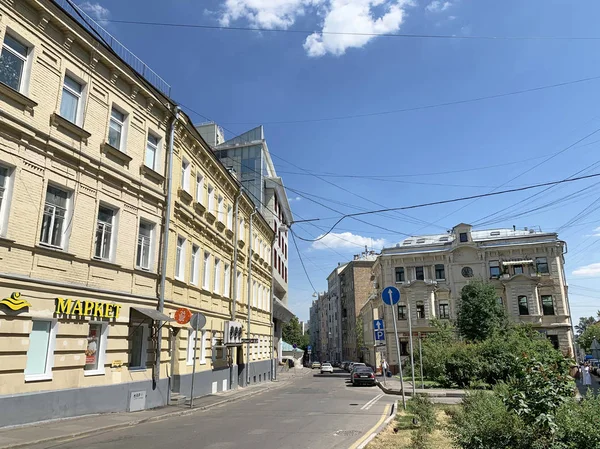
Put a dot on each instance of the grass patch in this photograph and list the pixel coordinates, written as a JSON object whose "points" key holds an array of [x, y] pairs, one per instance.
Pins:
{"points": [[397, 435]]}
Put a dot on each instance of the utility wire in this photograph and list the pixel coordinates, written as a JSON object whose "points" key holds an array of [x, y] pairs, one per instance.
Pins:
{"points": [[453, 200], [350, 33], [302, 261]]}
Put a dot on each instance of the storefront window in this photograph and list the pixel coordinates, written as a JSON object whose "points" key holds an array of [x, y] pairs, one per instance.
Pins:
{"points": [[139, 346], [40, 353], [96, 349]]}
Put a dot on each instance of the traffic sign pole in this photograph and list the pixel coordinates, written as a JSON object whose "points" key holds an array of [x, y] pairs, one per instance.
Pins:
{"points": [[410, 340], [196, 322], [398, 353], [421, 362]]}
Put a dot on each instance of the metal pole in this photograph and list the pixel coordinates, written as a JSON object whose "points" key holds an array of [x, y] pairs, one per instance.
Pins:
{"points": [[250, 242], [194, 366], [410, 340], [271, 306], [399, 359], [236, 237], [165, 248], [421, 362]]}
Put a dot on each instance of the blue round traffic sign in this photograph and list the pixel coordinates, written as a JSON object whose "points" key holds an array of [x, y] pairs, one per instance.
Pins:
{"points": [[390, 295]]}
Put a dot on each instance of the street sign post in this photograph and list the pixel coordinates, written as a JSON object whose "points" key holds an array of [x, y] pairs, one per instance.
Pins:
{"points": [[391, 296], [183, 315], [197, 322]]}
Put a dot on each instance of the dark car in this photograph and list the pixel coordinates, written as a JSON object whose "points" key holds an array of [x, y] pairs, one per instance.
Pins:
{"points": [[363, 376]]}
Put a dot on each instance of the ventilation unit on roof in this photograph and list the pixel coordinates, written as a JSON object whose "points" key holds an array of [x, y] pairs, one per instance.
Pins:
{"points": [[444, 239], [495, 233], [407, 242], [421, 241], [397, 245]]}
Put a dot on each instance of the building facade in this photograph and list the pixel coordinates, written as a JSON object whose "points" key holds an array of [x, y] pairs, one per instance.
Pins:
{"points": [[315, 330], [84, 140], [334, 315], [526, 267]]}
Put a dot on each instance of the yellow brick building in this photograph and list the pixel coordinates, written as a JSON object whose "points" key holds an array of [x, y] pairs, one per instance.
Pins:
{"points": [[84, 146]]}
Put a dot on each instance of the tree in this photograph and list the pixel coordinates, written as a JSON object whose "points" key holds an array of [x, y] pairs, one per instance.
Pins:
{"points": [[584, 322], [586, 339], [292, 333], [480, 314]]}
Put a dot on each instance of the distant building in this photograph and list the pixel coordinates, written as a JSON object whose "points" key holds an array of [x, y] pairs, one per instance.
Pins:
{"points": [[315, 330]]}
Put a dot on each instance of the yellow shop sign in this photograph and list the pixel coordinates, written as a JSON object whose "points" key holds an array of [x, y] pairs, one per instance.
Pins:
{"points": [[66, 306]]}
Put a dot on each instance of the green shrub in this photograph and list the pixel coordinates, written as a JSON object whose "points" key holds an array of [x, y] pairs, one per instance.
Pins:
{"points": [[578, 423], [424, 412], [464, 364]]}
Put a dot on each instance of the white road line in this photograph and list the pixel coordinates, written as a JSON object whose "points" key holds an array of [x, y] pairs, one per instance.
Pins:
{"points": [[371, 402]]}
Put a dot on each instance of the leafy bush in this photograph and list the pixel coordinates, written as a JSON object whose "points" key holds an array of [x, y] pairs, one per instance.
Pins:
{"points": [[578, 423], [424, 411]]}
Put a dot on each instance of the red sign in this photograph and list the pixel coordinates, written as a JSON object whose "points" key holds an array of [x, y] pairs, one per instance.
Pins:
{"points": [[183, 315]]}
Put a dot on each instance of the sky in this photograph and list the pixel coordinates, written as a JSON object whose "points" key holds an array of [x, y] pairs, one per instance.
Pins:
{"points": [[359, 121]]}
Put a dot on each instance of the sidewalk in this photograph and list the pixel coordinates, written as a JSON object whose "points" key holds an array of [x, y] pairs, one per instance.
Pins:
{"points": [[391, 385], [64, 429]]}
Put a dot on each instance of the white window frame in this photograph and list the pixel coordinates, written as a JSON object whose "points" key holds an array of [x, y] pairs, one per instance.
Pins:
{"points": [[144, 356], [79, 95], [229, 217], [227, 280], [190, 347], [194, 265], [156, 147], [254, 293], [211, 199], [103, 340], [241, 229], [47, 375], [202, 360], [25, 74], [123, 140], [6, 196], [217, 276], [200, 188], [238, 287], [150, 245], [206, 271], [113, 232], [68, 212], [186, 170], [180, 258], [221, 208]]}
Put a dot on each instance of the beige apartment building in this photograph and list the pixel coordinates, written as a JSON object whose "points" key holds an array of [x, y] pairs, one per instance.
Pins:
{"points": [[84, 170], [526, 267]]}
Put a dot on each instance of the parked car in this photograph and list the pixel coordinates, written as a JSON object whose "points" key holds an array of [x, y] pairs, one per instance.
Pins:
{"points": [[316, 365], [326, 368], [356, 365], [344, 364], [363, 375]]}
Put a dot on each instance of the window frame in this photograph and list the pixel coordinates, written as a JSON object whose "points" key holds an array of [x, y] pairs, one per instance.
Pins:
{"points": [[79, 95], [403, 315], [180, 251], [49, 364], [463, 235], [26, 70], [227, 280], [422, 269], [200, 188], [495, 267], [538, 264], [150, 246], [402, 272], [65, 231], [186, 170], [113, 232], [194, 272], [217, 276], [519, 297], [206, 271], [437, 270], [122, 147], [210, 189], [420, 310], [544, 307], [221, 208], [6, 191], [144, 349], [156, 147], [446, 308], [229, 217], [103, 340]]}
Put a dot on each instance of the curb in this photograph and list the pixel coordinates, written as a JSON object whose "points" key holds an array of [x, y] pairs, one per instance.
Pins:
{"points": [[381, 427], [150, 419], [432, 394]]}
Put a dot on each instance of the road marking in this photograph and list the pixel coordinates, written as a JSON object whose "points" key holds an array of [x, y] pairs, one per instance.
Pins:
{"points": [[372, 429], [368, 405]]}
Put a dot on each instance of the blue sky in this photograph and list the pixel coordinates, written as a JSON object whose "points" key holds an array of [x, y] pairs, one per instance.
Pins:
{"points": [[240, 79]]}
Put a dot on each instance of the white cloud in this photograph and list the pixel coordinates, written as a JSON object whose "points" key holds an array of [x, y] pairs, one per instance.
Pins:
{"points": [[96, 11], [590, 270], [294, 199], [347, 240], [596, 232], [362, 17], [438, 6]]}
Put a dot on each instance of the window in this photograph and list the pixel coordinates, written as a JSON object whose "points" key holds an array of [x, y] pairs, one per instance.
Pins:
{"points": [[500, 300], [229, 217], [523, 306], [40, 354], [192, 344], [115, 129], [439, 272], [55, 212], [180, 258], [199, 188], [444, 311], [195, 262], [547, 305], [400, 274], [205, 271], [139, 345], [221, 209], [541, 265], [104, 233], [401, 311], [518, 269], [211, 199], [494, 269], [554, 340], [241, 230], [13, 61], [151, 152], [463, 237], [227, 280], [185, 175], [238, 286], [217, 276], [419, 274], [70, 102], [253, 296], [95, 352], [420, 310], [4, 197], [144, 249]]}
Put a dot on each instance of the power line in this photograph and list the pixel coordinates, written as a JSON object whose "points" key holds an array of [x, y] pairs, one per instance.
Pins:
{"points": [[350, 33], [454, 200], [302, 261]]}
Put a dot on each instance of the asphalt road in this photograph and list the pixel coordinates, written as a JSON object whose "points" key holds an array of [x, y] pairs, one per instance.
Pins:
{"points": [[313, 411]]}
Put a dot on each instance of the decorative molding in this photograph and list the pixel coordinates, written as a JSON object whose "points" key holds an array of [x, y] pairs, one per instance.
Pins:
{"points": [[184, 195], [43, 22], [152, 174], [114, 76], [134, 91], [69, 38], [199, 207], [109, 150], [60, 122], [18, 97]]}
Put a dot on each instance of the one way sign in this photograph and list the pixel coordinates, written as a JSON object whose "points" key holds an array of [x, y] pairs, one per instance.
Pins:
{"points": [[378, 325], [379, 332]]}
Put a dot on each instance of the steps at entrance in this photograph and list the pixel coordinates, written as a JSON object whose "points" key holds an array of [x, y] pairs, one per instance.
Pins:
{"points": [[177, 399]]}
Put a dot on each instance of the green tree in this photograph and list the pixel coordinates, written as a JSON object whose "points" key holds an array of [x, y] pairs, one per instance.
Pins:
{"points": [[587, 337], [292, 332], [584, 322], [480, 314]]}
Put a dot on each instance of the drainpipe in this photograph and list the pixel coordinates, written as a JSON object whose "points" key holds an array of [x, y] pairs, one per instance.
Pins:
{"points": [[272, 305], [251, 241], [235, 254], [165, 248]]}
